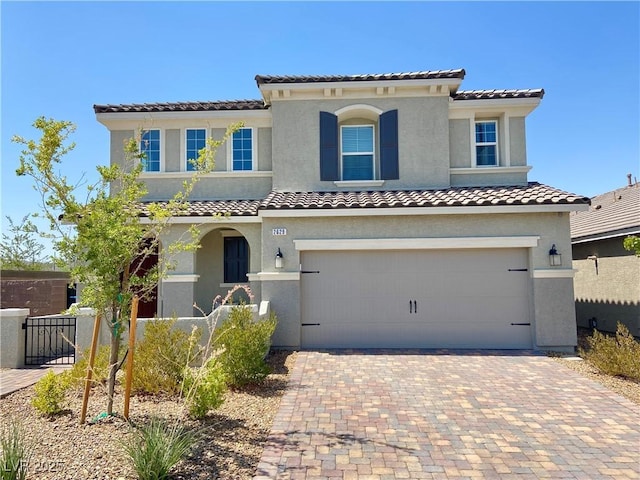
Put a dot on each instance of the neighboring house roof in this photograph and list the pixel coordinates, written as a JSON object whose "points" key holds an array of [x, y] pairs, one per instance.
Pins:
{"points": [[531, 194], [424, 75], [612, 214], [183, 106]]}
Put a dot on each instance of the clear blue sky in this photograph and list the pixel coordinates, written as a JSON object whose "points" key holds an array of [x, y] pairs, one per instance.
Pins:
{"points": [[59, 59]]}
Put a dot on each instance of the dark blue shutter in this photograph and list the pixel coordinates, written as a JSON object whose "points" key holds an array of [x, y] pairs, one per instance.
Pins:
{"points": [[329, 163], [389, 169]]}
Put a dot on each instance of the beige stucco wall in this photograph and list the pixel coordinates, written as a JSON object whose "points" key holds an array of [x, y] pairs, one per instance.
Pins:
{"points": [[423, 129], [517, 144], [220, 185], [552, 308], [553, 228], [460, 143]]}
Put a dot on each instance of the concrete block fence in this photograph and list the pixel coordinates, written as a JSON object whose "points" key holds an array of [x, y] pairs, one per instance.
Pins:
{"points": [[12, 335]]}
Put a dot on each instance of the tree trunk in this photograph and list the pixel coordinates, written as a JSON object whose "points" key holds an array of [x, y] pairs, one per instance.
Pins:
{"points": [[113, 367]]}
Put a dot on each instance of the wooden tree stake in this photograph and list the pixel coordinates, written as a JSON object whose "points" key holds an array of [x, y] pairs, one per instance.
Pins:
{"points": [[132, 343], [92, 357]]}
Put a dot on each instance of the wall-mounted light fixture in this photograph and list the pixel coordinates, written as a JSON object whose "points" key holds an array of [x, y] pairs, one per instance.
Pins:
{"points": [[279, 258], [595, 261], [555, 258]]}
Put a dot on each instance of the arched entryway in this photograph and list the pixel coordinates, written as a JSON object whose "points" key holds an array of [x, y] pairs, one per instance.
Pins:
{"points": [[222, 261]]}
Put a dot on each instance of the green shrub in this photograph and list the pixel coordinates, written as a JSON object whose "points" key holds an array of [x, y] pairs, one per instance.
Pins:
{"points": [[243, 346], [78, 373], [155, 448], [204, 388], [617, 355], [161, 357], [16, 451], [50, 393]]}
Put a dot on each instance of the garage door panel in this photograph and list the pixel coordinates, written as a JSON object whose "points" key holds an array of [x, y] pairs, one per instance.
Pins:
{"points": [[464, 299]]}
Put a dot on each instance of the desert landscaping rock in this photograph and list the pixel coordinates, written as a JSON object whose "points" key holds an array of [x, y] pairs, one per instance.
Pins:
{"points": [[230, 445]]}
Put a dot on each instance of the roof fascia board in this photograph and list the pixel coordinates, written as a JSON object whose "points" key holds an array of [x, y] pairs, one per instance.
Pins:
{"points": [[203, 220], [607, 235], [460, 109], [227, 115], [395, 211], [364, 84]]}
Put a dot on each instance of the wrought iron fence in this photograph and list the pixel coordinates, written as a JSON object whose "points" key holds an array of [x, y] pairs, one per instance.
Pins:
{"points": [[49, 340]]}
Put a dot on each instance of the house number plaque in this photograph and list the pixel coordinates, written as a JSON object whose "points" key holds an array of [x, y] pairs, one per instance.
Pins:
{"points": [[279, 231]]}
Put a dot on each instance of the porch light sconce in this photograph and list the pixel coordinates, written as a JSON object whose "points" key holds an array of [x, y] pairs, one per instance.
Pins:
{"points": [[595, 261], [555, 259], [279, 258]]}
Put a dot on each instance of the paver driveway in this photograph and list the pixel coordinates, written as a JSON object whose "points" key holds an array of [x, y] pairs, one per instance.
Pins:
{"points": [[448, 415]]}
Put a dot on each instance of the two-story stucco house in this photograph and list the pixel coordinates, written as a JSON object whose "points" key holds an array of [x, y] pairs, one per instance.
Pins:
{"points": [[389, 210]]}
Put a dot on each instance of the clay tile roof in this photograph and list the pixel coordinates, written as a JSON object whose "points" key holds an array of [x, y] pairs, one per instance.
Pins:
{"points": [[182, 106], [531, 194], [497, 94], [615, 213], [208, 208], [424, 75]]}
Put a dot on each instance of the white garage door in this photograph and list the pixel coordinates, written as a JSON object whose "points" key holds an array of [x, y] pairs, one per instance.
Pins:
{"points": [[418, 298]]}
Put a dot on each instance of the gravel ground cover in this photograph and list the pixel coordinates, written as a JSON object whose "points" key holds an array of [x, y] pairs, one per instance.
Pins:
{"points": [[625, 387], [230, 445]]}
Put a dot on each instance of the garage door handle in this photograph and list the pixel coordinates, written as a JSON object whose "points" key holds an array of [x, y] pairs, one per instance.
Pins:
{"points": [[413, 306], [310, 324], [522, 324]]}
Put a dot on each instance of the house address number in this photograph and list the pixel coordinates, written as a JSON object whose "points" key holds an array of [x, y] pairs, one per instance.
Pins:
{"points": [[279, 231]]}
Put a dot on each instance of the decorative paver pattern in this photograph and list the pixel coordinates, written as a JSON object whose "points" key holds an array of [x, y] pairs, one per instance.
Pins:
{"points": [[375, 415]]}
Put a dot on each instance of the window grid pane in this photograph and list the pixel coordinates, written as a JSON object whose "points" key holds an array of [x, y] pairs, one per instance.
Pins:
{"points": [[150, 147], [196, 140], [242, 149], [486, 143]]}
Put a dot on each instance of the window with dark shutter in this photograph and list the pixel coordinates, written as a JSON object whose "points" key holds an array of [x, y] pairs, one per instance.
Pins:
{"points": [[329, 159], [236, 260], [389, 169]]}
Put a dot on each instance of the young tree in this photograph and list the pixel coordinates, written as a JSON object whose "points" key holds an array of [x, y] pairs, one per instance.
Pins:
{"points": [[20, 250], [102, 238], [632, 243]]}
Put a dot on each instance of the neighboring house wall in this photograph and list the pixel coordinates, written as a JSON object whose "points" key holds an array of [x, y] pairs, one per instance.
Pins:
{"points": [[610, 290], [43, 293]]}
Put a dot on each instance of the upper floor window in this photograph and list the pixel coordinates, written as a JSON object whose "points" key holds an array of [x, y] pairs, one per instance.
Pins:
{"points": [[195, 141], [242, 149], [487, 143], [150, 147], [348, 152], [357, 148]]}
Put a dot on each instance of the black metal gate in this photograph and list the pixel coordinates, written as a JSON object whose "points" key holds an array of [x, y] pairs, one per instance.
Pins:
{"points": [[49, 340]]}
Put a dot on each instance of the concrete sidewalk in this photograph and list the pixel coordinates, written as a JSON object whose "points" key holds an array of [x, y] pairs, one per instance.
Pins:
{"points": [[380, 415]]}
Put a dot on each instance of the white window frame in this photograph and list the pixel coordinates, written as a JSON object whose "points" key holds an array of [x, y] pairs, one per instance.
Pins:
{"points": [[476, 144], [373, 153], [161, 136], [183, 162], [254, 152]]}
